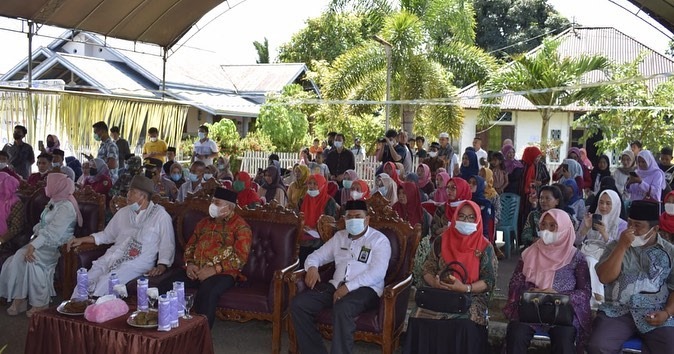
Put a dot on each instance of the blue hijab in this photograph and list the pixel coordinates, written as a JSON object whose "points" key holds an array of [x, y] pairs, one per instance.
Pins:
{"points": [[473, 167], [486, 208], [576, 192]]}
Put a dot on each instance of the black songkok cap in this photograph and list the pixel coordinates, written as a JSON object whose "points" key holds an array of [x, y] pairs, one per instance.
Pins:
{"points": [[644, 210], [356, 205], [225, 194]]}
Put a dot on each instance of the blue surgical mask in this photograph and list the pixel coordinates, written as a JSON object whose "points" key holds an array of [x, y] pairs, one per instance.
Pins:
{"points": [[313, 193], [207, 176], [135, 207], [382, 190], [355, 226], [193, 177], [347, 183], [201, 135], [56, 165], [176, 177], [97, 137], [338, 144]]}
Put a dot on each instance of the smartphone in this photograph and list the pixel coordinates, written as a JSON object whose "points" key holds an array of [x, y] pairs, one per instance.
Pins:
{"points": [[40, 144], [596, 219], [634, 174], [565, 167]]}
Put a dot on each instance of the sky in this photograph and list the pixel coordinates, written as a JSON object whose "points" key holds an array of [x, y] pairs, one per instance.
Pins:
{"points": [[228, 38]]}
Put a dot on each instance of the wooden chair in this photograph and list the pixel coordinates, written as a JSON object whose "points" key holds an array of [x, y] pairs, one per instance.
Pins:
{"points": [[384, 324], [206, 191]]}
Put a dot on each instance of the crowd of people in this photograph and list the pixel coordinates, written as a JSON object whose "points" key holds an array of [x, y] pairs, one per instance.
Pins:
{"points": [[602, 238]]}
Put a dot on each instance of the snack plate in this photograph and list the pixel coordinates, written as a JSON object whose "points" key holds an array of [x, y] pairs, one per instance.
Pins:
{"points": [[61, 309], [131, 321]]}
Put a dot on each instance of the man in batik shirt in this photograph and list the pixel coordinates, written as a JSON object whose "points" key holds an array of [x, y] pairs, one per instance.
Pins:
{"points": [[215, 254]]}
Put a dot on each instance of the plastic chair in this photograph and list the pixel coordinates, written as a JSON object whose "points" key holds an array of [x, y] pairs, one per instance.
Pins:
{"points": [[632, 345], [510, 210]]}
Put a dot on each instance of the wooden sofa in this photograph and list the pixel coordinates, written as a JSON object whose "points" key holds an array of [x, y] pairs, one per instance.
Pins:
{"points": [[273, 255], [384, 324]]}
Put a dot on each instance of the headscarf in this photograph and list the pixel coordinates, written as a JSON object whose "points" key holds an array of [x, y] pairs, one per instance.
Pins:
{"points": [[314, 207], [394, 172], [276, 183], [607, 185], [627, 169], [300, 184], [426, 179], [473, 167], [440, 194], [8, 187], [602, 173], [489, 190], [585, 160], [575, 196], [412, 211], [60, 187], [529, 157], [612, 219], [346, 192], [666, 220], [465, 249], [653, 169], [101, 171], [575, 169], [478, 196], [57, 144], [412, 177], [574, 150], [391, 188], [542, 261], [462, 193], [363, 188], [247, 195], [510, 164]]}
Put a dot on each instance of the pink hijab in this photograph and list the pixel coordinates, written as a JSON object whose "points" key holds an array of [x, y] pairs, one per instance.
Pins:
{"points": [[427, 176], [440, 194], [542, 261], [8, 187], [60, 187], [586, 161]]}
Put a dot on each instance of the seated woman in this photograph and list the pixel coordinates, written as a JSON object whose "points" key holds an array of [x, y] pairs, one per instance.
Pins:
{"points": [[622, 173], [409, 207], [437, 332], [298, 188], [99, 178], [315, 203], [273, 188], [29, 273], [514, 169], [246, 197], [176, 175], [469, 165], [571, 169], [359, 190], [425, 184], [500, 176], [458, 190], [12, 216], [574, 154], [439, 196], [210, 172], [551, 265], [347, 181], [392, 171], [549, 197], [650, 180], [596, 235], [477, 187], [602, 170], [666, 218], [387, 187], [224, 172], [574, 201]]}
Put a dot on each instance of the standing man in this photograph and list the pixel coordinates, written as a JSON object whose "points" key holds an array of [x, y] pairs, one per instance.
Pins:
{"points": [[330, 146], [357, 150], [481, 154], [205, 149], [446, 153], [433, 161], [361, 255], [122, 144], [170, 160], [57, 163], [638, 276], [154, 148], [407, 160], [108, 149], [421, 153], [339, 159], [21, 155], [390, 149]]}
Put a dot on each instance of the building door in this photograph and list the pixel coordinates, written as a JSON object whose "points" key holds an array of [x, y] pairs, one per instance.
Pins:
{"points": [[492, 139]]}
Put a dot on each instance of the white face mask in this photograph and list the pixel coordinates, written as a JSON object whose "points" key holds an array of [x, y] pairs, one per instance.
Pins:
{"points": [[355, 226], [669, 208], [382, 190], [433, 153], [313, 193], [213, 210], [640, 240], [338, 144], [355, 195], [153, 139], [466, 228], [207, 176], [548, 236], [3, 165]]}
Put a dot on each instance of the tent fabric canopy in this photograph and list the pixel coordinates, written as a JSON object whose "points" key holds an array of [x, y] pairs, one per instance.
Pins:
{"points": [[162, 22], [660, 10]]}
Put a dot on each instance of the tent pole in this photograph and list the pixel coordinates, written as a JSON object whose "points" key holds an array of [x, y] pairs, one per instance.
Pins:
{"points": [[163, 74], [30, 54]]}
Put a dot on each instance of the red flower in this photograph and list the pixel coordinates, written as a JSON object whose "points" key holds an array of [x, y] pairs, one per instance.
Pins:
{"points": [[134, 252]]}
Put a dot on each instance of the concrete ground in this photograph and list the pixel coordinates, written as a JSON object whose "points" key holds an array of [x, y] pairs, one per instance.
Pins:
{"points": [[255, 336]]}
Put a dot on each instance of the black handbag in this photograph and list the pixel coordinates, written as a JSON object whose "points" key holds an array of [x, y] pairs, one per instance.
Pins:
{"points": [[442, 300], [546, 308]]}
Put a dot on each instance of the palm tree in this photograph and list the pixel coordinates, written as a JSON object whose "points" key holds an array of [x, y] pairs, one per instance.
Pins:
{"points": [[262, 49], [548, 80]]}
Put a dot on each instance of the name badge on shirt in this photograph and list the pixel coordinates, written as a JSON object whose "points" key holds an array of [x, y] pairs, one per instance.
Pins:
{"points": [[364, 254]]}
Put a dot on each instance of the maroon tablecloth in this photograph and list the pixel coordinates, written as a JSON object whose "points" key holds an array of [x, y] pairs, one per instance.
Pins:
{"points": [[52, 332]]}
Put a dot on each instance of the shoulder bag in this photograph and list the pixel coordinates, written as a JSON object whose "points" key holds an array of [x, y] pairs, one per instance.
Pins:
{"points": [[546, 308], [443, 300]]}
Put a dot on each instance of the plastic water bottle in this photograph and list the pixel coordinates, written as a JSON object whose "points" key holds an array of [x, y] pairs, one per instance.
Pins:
{"points": [[112, 281], [179, 288], [173, 297], [82, 284], [164, 315], [141, 293]]}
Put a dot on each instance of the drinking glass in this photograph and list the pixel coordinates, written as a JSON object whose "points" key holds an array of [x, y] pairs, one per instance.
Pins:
{"points": [[189, 301]]}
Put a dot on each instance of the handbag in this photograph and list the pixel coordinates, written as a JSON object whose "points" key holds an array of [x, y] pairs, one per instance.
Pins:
{"points": [[546, 308], [443, 300]]}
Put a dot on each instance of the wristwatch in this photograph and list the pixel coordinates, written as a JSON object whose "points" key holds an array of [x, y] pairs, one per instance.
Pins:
{"points": [[470, 288]]}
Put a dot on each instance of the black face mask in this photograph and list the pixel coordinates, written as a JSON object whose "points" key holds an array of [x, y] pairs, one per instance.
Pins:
{"points": [[93, 171], [18, 136], [50, 144]]}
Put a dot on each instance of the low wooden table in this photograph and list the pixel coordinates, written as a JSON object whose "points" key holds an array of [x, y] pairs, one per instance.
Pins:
{"points": [[52, 332]]}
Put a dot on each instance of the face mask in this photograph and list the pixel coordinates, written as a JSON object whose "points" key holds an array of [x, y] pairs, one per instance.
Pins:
{"points": [[382, 190], [466, 228], [3, 165], [193, 177], [355, 226], [176, 177], [356, 195], [347, 184], [56, 164], [208, 176], [50, 144], [456, 203], [113, 172], [238, 186], [153, 139], [669, 208], [640, 240], [547, 236], [399, 172], [201, 135], [93, 171], [338, 144], [96, 137], [18, 136], [135, 207], [213, 210], [313, 193], [221, 166], [433, 153]]}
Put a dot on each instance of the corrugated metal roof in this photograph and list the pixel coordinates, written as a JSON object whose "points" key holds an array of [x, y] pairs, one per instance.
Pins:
{"points": [[263, 77], [219, 104], [607, 41]]}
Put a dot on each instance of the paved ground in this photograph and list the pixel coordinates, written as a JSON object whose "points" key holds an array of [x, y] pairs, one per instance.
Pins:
{"points": [[255, 336]]}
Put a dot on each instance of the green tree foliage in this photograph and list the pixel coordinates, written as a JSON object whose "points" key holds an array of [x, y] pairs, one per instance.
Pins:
{"points": [[262, 49], [653, 127], [284, 121], [224, 133], [549, 81], [515, 26], [367, 127]]}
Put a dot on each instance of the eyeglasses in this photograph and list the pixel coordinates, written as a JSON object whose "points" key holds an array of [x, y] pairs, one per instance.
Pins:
{"points": [[451, 187], [464, 217]]}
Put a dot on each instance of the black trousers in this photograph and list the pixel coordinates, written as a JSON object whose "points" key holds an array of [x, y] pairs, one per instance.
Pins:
{"points": [[308, 304], [444, 336], [519, 336], [208, 293]]}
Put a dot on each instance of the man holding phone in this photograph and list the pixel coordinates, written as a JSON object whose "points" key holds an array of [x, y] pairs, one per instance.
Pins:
{"points": [[391, 150]]}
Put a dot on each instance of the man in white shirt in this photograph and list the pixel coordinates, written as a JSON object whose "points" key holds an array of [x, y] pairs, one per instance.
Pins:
{"points": [[481, 154], [194, 181], [142, 238], [446, 152], [205, 149], [361, 255]]}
